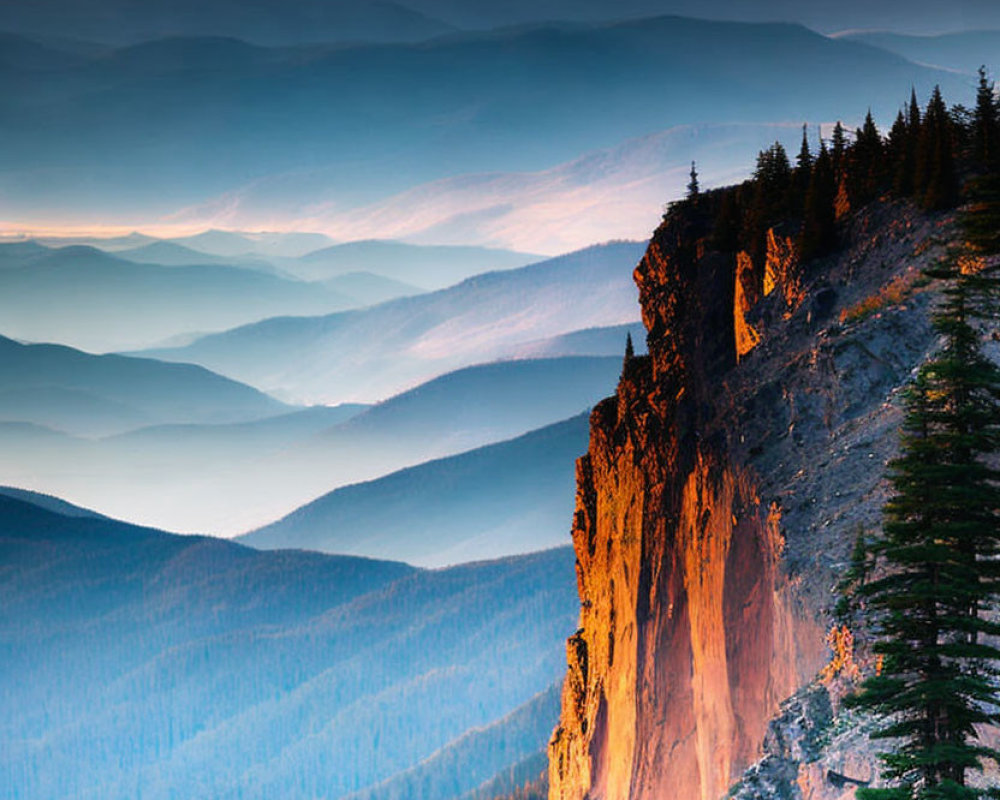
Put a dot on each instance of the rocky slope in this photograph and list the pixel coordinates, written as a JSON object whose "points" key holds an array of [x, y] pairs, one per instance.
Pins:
{"points": [[724, 483]]}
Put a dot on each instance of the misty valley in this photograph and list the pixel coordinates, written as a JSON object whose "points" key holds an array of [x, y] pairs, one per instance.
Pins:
{"points": [[446, 400]]}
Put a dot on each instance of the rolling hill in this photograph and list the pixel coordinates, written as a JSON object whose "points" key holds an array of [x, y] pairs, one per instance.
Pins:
{"points": [[200, 668], [427, 266], [494, 501], [90, 299], [964, 51], [120, 21], [228, 479], [84, 394], [369, 354]]}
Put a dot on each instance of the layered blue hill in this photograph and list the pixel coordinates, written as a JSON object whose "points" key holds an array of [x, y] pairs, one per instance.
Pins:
{"points": [[200, 668]]}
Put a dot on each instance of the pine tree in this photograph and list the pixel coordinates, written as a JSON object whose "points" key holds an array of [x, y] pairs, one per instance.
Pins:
{"points": [[866, 165], [629, 349], [693, 189], [913, 118], [905, 160], [772, 181], [839, 144], [936, 181], [819, 223], [938, 555], [803, 171], [986, 124], [902, 148], [805, 159]]}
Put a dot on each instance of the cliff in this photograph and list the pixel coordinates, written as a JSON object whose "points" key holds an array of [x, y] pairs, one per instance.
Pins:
{"points": [[710, 521]]}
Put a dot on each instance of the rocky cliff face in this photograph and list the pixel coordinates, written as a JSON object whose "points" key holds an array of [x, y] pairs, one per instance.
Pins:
{"points": [[704, 560]]}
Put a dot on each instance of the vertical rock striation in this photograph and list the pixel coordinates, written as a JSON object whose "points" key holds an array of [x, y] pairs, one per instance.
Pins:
{"points": [[687, 641]]}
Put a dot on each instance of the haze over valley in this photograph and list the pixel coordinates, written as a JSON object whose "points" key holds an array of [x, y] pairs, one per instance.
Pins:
{"points": [[311, 310]]}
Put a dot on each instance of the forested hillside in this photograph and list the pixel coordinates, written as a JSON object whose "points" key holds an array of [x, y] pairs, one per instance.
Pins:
{"points": [[137, 663]]}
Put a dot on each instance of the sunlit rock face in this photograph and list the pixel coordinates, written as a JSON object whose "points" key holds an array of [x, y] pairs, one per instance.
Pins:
{"points": [[688, 639]]}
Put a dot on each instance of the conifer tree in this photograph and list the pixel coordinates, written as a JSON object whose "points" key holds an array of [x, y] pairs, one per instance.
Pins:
{"points": [[938, 554], [914, 118], [902, 150], [693, 189], [802, 173], [986, 123], [805, 159], [772, 180], [905, 161], [936, 181], [866, 164], [819, 223], [839, 145]]}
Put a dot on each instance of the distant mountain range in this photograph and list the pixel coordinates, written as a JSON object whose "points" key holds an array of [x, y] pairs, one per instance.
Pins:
{"points": [[915, 16], [261, 21], [200, 668], [90, 299], [185, 128], [612, 193], [270, 22], [309, 257], [498, 500], [429, 266], [964, 51], [79, 393], [368, 354], [233, 478]]}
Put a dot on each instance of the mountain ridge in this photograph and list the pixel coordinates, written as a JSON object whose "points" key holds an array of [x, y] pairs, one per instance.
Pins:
{"points": [[191, 659]]}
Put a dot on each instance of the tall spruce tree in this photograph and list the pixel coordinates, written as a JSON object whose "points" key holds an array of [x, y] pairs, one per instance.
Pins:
{"points": [[804, 160], [913, 117], [693, 189], [986, 123], [819, 219], [839, 145], [866, 165], [803, 171], [936, 180], [938, 555], [902, 150], [772, 182]]}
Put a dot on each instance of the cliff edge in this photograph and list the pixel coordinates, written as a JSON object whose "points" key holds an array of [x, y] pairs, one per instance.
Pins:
{"points": [[723, 487]]}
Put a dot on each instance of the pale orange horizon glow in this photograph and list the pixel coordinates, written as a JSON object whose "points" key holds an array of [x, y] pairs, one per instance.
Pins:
{"points": [[13, 231]]}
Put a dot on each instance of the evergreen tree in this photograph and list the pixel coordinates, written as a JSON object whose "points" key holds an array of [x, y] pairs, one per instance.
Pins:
{"points": [[913, 118], [805, 159], [839, 144], [803, 172], [902, 151], [936, 181], [938, 553], [866, 165], [905, 161], [819, 223], [772, 181], [693, 189], [629, 349], [985, 122], [773, 171]]}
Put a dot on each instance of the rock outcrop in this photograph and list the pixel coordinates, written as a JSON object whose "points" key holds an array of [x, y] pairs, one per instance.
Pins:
{"points": [[704, 561]]}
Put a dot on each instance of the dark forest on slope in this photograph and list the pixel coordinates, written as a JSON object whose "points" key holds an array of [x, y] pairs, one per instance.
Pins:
{"points": [[140, 664]]}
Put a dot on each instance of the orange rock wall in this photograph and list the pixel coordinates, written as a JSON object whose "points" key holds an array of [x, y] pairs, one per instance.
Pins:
{"points": [[687, 640]]}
